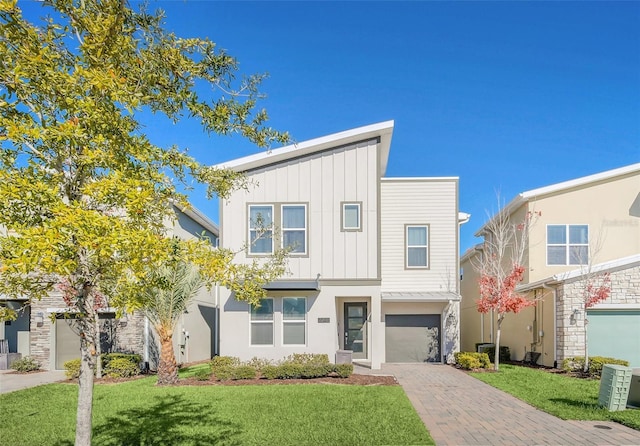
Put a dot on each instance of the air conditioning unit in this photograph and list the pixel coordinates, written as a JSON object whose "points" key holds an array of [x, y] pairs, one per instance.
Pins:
{"points": [[614, 387], [634, 390]]}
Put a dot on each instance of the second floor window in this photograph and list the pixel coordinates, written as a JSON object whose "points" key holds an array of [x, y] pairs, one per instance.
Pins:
{"points": [[294, 228], [417, 246], [567, 244], [260, 229]]}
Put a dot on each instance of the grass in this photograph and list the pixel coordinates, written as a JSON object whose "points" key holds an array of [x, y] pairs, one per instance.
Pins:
{"points": [[140, 413], [561, 395]]}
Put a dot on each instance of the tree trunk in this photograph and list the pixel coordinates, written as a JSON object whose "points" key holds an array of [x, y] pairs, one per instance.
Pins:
{"points": [[167, 368], [496, 353], [85, 392], [586, 344]]}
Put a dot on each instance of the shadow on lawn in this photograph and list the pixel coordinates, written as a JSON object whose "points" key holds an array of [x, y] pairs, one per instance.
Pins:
{"points": [[578, 403], [170, 420]]}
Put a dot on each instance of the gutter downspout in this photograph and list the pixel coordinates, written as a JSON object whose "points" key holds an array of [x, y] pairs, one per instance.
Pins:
{"points": [[555, 323], [216, 328]]}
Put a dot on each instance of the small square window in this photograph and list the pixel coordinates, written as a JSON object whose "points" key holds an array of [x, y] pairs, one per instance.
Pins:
{"points": [[351, 217]]}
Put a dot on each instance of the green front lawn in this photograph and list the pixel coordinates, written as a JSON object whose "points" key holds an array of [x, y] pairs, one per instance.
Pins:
{"points": [[140, 413], [558, 394]]}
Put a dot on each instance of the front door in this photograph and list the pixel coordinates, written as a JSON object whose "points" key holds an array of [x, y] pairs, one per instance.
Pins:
{"points": [[355, 332]]}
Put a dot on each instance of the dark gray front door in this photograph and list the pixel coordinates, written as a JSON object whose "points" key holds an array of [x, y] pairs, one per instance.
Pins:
{"points": [[355, 328], [412, 338]]}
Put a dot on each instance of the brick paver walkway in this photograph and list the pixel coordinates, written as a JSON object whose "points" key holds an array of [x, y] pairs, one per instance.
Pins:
{"points": [[460, 410]]}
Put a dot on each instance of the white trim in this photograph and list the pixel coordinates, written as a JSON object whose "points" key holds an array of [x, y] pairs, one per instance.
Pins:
{"points": [[284, 321], [384, 130], [617, 264], [344, 215], [529, 195], [250, 228], [263, 321], [305, 229], [615, 307], [567, 245]]}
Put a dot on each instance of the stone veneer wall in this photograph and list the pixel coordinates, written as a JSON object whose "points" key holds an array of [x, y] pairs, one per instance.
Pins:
{"points": [[625, 289], [129, 335]]}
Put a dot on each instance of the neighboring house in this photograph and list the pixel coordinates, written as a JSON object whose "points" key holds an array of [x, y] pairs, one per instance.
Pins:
{"points": [[588, 227], [374, 263], [52, 344]]}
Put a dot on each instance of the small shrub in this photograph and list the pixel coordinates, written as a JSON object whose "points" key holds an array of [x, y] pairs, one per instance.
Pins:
{"points": [[472, 360], [576, 364], [343, 370], [121, 368], [26, 364], [222, 366], [308, 358], [289, 370], [108, 357], [259, 363], [316, 370], [72, 368], [270, 371], [203, 374], [243, 372]]}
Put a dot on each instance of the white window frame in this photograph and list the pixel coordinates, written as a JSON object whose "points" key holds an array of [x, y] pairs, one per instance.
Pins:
{"points": [[262, 322], [295, 321], [407, 246], [304, 229], [567, 245], [251, 228], [343, 225]]}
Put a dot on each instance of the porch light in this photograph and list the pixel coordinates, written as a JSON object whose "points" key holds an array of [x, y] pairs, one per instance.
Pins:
{"points": [[39, 319]]}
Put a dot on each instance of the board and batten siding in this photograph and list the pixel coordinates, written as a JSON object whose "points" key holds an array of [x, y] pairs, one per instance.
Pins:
{"points": [[322, 181], [429, 201]]}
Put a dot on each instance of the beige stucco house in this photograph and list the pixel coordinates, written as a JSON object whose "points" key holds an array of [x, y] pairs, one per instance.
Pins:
{"points": [[52, 344], [374, 263], [587, 227]]}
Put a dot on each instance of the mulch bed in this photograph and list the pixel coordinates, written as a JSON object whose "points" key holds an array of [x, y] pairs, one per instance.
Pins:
{"points": [[358, 380]]}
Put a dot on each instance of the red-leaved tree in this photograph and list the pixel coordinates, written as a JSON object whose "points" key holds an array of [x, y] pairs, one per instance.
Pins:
{"points": [[596, 289], [501, 269]]}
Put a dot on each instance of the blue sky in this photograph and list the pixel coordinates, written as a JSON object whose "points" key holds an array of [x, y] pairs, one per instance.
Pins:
{"points": [[509, 96]]}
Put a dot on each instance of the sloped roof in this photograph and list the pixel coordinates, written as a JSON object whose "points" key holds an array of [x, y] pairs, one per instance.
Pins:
{"points": [[382, 130], [579, 273], [564, 186]]}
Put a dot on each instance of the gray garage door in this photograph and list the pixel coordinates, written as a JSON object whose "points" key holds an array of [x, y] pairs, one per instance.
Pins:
{"points": [[412, 338], [616, 334], [67, 343]]}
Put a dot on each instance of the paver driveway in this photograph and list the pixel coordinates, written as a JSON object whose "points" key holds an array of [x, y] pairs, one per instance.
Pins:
{"points": [[460, 410]]}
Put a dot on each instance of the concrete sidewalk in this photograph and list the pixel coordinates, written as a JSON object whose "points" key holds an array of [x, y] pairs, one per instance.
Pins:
{"points": [[10, 381], [460, 410]]}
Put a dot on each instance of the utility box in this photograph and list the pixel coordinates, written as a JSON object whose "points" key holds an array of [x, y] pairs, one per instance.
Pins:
{"points": [[614, 387], [634, 390], [344, 356]]}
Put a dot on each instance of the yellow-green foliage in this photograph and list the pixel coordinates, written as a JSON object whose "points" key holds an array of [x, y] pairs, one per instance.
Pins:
{"points": [[576, 364], [472, 360], [72, 368], [121, 368], [26, 364]]}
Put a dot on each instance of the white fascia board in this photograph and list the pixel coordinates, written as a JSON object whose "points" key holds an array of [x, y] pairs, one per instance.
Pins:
{"points": [[529, 195], [471, 252], [198, 216], [418, 179], [621, 263], [383, 130]]}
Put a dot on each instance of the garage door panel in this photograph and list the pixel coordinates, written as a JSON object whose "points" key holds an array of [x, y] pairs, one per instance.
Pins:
{"points": [[615, 334], [412, 338]]}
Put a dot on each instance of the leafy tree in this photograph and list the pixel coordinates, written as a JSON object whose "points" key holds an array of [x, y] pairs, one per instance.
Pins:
{"points": [[501, 269], [84, 194]]}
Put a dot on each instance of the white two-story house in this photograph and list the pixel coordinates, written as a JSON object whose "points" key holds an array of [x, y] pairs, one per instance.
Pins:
{"points": [[374, 261]]}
